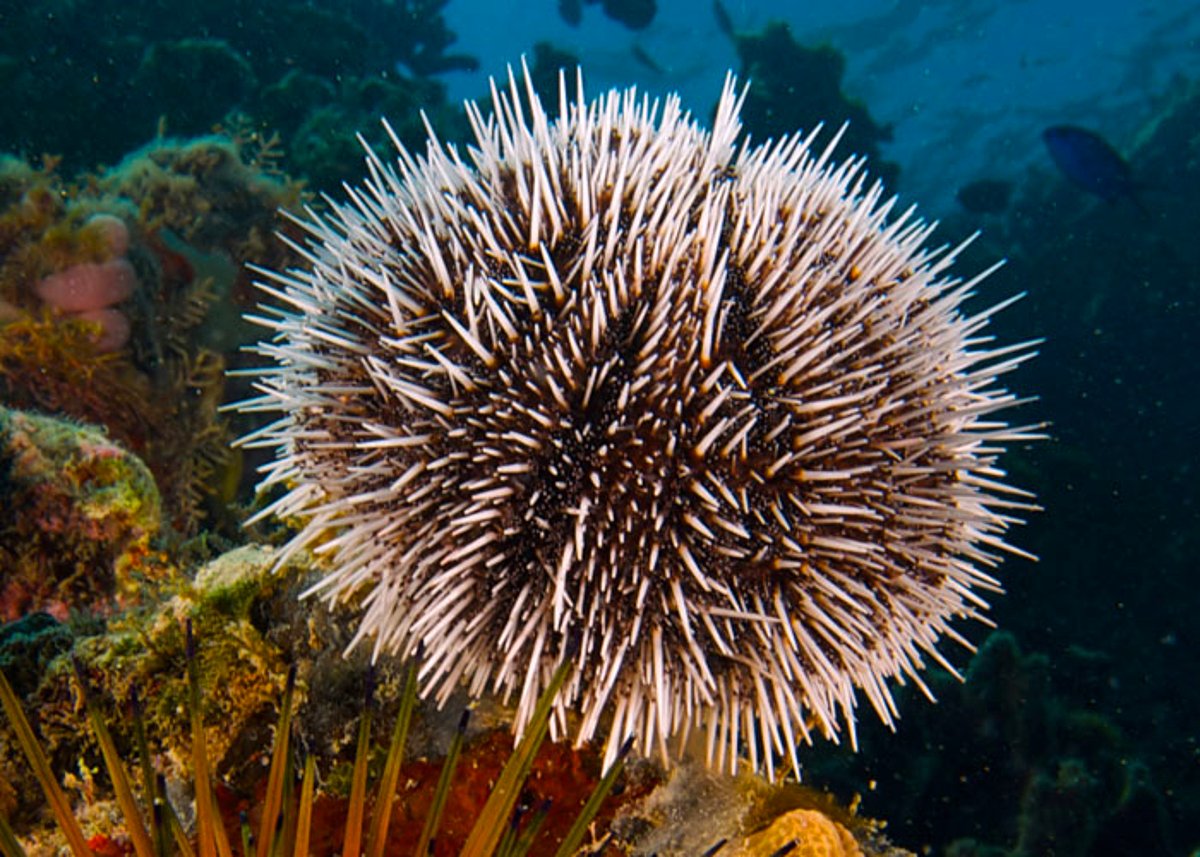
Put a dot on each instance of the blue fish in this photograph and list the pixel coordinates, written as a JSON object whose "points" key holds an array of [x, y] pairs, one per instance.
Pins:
{"points": [[1089, 161]]}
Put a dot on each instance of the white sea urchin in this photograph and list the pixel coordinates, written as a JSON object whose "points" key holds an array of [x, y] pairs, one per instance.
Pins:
{"points": [[616, 388]]}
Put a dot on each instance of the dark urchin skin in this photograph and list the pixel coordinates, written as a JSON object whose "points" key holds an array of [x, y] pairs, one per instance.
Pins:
{"points": [[702, 418]]}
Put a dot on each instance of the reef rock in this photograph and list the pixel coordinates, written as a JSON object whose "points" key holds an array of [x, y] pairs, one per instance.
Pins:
{"points": [[76, 512]]}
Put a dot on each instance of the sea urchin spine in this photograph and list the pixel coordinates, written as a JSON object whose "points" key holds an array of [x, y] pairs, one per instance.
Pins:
{"points": [[698, 414]]}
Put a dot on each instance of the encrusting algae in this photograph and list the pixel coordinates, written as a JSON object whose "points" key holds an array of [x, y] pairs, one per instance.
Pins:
{"points": [[78, 515]]}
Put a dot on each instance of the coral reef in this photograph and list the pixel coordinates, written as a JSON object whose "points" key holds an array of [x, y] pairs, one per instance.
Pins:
{"points": [[213, 194], [249, 627], [242, 672], [78, 513], [53, 365], [120, 302], [234, 604], [90, 291]]}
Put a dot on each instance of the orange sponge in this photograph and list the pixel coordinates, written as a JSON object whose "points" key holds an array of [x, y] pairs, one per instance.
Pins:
{"points": [[814, 833]]}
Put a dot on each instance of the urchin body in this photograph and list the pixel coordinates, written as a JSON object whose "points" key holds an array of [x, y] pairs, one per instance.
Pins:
{"points": [[613, 388]]}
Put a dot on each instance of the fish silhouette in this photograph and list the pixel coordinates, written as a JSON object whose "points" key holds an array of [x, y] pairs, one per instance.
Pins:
{"points": [[1089, 161]]}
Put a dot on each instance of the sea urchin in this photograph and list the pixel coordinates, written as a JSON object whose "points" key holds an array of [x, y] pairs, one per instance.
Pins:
{"points": [[613, 388]]}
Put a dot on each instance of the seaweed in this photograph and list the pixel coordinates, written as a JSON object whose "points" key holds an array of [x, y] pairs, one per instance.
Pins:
{"points": [[184, 67], [183, 218], [793, 86]]}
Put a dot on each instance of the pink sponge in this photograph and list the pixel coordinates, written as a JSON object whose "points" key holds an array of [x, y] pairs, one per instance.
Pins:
{"points": [[114, 328], [89, 286], [91, 290], [113, 230]]}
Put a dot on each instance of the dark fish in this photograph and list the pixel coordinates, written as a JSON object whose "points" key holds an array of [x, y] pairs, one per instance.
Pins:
{"points": [[724, 22], [645, 59], [634, 14], [571, 11], [1089, 161], [985, 196]]}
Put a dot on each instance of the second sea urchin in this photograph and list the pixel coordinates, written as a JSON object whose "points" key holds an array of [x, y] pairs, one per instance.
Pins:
{"points": [[698, 414]]}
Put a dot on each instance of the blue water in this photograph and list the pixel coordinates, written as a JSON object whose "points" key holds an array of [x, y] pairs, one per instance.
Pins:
{"points": [[967, 85]]}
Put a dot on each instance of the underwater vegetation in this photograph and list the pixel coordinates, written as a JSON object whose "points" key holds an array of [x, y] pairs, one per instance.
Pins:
{"points": [[292, 819], [77, 516], [182, 69], [282, 717], [794, 87], [119, 300]]}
